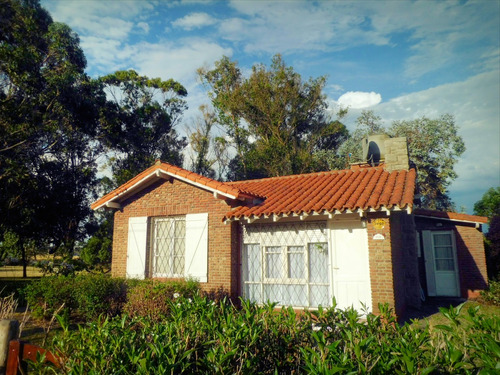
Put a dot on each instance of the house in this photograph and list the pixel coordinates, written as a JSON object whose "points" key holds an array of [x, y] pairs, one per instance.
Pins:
{"points": [[297, 240]]}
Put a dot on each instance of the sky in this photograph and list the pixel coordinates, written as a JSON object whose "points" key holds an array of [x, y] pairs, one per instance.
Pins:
{"points": [[403, 59]]}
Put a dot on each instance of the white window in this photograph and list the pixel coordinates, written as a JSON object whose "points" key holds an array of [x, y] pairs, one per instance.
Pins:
{"points": [[168, 239], [287, 264], [177, 247]]}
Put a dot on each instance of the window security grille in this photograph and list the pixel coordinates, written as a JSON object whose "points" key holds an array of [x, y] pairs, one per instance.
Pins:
{"points": [[287, 264], [168, 246]]}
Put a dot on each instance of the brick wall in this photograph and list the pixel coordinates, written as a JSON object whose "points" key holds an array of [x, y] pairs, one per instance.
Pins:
{"points": [[393, 261], [380, 260], [405, 260], [165, 198], [471, 258]]}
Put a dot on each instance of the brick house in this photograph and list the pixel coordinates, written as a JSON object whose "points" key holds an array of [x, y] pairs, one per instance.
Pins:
{"points": [[297, 240]]}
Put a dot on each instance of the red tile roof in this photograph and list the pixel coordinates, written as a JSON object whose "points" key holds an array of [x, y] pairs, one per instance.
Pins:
{"points": [[313, 193], [451, 216], [328, 192], [163, 170]]}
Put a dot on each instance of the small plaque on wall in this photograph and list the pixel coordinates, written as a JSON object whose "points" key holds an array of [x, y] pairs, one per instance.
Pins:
{"points": [[378, 236], [379, 224]]}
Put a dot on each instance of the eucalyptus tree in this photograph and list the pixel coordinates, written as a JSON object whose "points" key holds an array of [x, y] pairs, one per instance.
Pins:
{"points": [[276, 120], [434, 148], [139, 122], [49, 116]]}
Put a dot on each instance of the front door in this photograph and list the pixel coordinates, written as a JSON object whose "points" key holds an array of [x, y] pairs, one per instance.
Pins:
{"points": [[441, 263], [350, 271]]}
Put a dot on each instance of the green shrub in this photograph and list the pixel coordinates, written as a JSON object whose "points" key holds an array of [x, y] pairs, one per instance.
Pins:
{"points": [[492, 294], [99, 294], [16, 287], [86, 295], [199, 336], [150, 298], [48, 294]]}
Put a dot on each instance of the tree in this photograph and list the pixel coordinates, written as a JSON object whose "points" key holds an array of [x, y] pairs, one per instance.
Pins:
{"points": [[350, 151], [140, 118], [49, 111], [489, 206], [434, 148], [224, 82], [285, 118], [200, 142]]}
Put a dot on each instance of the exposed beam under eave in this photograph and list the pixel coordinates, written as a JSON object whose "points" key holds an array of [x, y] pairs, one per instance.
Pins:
{"points": [[114, 205]]}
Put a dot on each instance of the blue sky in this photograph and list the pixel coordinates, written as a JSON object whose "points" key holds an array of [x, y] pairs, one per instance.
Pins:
{"points": [[402, 59]]}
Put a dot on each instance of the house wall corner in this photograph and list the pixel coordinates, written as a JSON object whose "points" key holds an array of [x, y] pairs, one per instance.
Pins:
{"points": [[380, 261]]}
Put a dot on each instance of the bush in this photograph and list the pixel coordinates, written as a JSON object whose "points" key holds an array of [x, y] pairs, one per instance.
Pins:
{"points": [[151, 298], [99, 294], [492, 294], [48, 294], [199, 336], [16, 286], [87, 296]]}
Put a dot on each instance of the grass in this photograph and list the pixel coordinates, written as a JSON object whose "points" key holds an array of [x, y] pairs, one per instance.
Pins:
{"points": [[12, 272], [439, 319]]}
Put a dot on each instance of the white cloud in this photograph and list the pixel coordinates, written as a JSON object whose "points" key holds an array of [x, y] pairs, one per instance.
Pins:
{"points": [[438, 33], [144, 26], [359, 99], [176, 60], [194, 21], [107, 19]]}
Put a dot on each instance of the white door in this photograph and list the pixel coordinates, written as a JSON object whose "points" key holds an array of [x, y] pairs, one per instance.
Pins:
{"points": [[136, 247], [441, 263], [350, 271]]}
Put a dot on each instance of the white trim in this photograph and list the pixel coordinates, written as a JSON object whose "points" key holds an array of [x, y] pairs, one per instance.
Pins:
{"points": [[330, 214], [158, 174]]}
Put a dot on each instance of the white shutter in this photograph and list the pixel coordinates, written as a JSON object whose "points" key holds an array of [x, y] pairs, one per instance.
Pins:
{"points": [[136, 247], [429, 263], [196, 264]]}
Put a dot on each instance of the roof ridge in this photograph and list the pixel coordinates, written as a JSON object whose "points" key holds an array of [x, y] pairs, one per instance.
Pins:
{"points": [[333, 171]]}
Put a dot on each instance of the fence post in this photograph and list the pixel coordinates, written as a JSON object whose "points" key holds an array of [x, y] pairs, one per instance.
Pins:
{"points": [[9, 329]]}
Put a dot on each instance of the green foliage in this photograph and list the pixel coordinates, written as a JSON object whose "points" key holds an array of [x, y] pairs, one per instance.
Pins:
{"points": [[16, 287], [199, 336], [49, 294], [49, 116], [152, 299], [96, 252], [201, 142], [139, 122], [99, 294], [434, 147], [86, 296], [276, 120], [492, 294], [489, 206]]}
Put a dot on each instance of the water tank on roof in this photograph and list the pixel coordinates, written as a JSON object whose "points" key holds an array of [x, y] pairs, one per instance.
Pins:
{"points": [[374, 149]]}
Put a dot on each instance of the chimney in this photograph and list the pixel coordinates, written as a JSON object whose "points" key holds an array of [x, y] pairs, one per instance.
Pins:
{"points": [[382, 150]]}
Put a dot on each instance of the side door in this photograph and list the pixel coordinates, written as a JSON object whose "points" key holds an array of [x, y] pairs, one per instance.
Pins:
{"points": [[441, 268]]}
